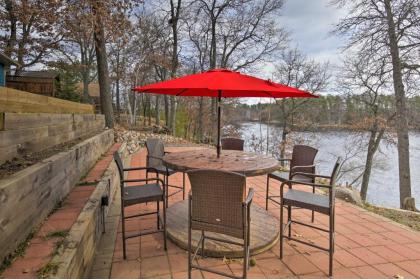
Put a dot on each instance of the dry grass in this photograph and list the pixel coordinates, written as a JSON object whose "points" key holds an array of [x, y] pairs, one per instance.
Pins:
{"points": [[407, 218]]}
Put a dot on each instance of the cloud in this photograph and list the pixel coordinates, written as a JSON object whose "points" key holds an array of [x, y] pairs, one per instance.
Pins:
{"points": [[310, 24]]}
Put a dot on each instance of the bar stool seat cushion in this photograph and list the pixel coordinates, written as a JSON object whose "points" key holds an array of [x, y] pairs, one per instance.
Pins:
{"points": [[140, 194], [307, 200], [163, 170]]}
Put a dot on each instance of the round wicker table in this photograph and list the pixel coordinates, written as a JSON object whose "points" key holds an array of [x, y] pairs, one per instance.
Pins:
{"points": [[264, 226]]}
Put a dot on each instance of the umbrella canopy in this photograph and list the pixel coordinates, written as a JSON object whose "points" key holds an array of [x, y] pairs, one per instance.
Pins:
{"points": [[223, 83], [229, 83]]}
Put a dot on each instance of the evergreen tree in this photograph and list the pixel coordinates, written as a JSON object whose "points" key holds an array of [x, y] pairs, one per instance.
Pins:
{"points": [[67, 89]]}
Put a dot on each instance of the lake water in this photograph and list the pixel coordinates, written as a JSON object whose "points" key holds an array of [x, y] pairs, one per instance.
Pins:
{"points": [[383, 186]]}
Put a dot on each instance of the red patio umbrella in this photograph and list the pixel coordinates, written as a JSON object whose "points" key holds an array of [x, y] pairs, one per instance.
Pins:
{"points": [[223, 83]]}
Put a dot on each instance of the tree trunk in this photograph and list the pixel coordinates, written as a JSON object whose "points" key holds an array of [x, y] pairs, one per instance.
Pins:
{"points": [[144, 110], [157, 112], [200, 119], [136, 110], [149, 110], [213, 63], [284, 133], [103, 74], [213, 44], [12, 38], [133, 104], [131, 113], [175, 10], [85, 72], [213, 125], [117, 86], [85, 79], [172, 113], [166, 101], [368, 166], [117, 95], [401, 111], [374, 141]]}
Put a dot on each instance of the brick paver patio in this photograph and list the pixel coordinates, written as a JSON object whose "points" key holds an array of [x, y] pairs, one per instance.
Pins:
{"points": [[42, 247], [367, 246]]}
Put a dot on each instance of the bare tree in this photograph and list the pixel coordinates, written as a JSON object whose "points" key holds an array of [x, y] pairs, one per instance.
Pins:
{"points": [[295, 69], [173, 21], [121, 51], [77, 45], [366, 81], [29, 30], [151, 46], [234, 34], [102, 63], [389, 31], [111, 21]]}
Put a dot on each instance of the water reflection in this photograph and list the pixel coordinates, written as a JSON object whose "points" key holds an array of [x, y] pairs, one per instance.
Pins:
{"points": [[383, 188]]}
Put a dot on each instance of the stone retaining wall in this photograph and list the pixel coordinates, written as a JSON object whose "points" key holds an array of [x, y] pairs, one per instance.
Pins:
{"points": [[32, 132], [28, 196]]}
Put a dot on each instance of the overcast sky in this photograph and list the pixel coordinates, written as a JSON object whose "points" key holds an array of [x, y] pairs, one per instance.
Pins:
{"points": [[310, 23]]}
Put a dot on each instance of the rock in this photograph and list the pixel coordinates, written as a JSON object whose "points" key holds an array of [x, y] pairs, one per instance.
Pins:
{"points": [[348, 194], [137, 139], [409, 204]]}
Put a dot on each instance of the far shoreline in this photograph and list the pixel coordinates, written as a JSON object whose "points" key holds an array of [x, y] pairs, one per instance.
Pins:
{"points": [[313, 128]]}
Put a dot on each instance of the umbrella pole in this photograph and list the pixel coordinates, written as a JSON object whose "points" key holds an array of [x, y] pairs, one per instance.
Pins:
{"points": [[219, 100]]}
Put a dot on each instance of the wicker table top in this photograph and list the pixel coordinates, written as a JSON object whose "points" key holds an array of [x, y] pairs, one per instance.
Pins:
{"points": [[249, 164]]}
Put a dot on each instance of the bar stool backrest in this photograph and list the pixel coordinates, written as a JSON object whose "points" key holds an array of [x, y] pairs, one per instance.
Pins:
{"points": [[303, 155], [217, 201], [120, 167], [232, 144], [155, 150]]}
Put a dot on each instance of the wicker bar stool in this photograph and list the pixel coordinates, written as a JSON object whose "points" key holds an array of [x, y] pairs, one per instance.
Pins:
{"points": [[155, 153], [302, 160], [232, 144], [146, 192], [217, 203], [315, 202]]}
